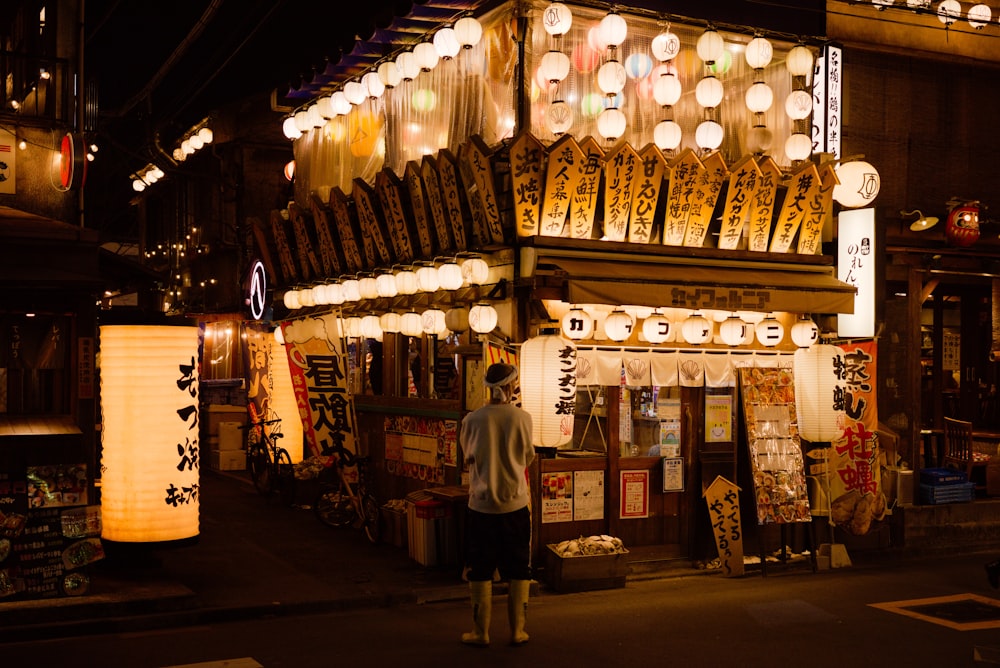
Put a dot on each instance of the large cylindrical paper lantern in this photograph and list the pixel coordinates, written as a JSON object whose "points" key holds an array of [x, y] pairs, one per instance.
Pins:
{"points": [[149, 406], [283, 403], [548, 387], [820, 414]]}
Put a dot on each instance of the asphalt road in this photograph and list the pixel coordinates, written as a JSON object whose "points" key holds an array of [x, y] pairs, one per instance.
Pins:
{"points": [[792, 617]]}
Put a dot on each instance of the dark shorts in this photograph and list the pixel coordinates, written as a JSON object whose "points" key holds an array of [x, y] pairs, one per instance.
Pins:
{"points": [[498, 543]]}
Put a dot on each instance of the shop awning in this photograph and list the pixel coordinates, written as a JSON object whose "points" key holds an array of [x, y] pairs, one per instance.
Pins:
{"points": [[697, 286]]}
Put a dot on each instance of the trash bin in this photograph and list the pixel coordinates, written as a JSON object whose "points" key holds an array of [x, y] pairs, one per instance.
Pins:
{"points": [[430, 532]]}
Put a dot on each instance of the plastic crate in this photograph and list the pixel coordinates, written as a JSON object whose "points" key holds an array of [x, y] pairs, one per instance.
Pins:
{"points": [[962, 492], [942, 476]]}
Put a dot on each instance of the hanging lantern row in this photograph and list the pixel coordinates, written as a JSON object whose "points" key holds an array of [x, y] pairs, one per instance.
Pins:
{"points": [[446, 44], [481, 318], [948, 11], [697, 329]]}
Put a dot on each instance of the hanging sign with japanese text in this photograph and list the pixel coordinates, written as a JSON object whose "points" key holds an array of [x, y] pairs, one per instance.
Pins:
{"points": [[803, 191], [348, 231], [370, 220], [451, 196], [526, 155], [684, 172], [706, 194], [584, 205], [621, 172], [284, 249], [565, 162], [478, 165], [819, 210], [646, 194], [438, 207], [323, 226], [396, 216], [744, 180], [308, 262], [762, 205], [723, 500]]}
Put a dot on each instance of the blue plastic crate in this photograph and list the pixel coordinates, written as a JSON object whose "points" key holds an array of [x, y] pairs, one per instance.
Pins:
{"points": [[962, 492], [942, 476]]}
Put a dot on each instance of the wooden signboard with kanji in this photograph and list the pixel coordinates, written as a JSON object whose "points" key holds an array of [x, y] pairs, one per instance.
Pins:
{"points": [[304, 251], [450, 184], [646, 194], [803, 189], [562, 175], [428, 234], [621, 173], [283, 248], [323, 226], [684, 173], [723, 500], [762, 205], [479, 166], [436, 203], [583, 208], [526, 154], [370, 220], [396, 216], [348, 231], [744, 179], [705, 196], [819, 210]]}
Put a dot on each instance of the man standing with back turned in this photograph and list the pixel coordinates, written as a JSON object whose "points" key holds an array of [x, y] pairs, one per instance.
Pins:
{"points": [[496, 442]]}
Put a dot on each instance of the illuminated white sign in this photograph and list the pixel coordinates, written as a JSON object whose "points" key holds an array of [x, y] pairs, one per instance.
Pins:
{"points": [[828, 101], [856, 266]]}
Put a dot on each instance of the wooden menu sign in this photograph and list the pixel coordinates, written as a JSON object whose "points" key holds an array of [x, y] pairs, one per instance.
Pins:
{"points": [[448, 180], [621, 172], [347, 232], [284, 249], [762, 205], [324, 237], [436, 203], [583, 209], [705, 196], [803, 187], [811, 234], [421, 217], [563, 171], [390, 196], [646, 194], [308, 262], [744, 179], [723, 499], [480, 168], [684, 172], [370, 220], [526, 154]]}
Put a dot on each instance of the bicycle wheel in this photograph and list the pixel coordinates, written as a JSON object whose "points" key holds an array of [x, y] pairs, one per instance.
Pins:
{"points": [[373, 520], [260, 468], [334, 508], [286, 477]]}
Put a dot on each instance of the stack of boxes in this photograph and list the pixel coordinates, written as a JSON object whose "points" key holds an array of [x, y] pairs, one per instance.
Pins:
{"points": [[944, 485], [226, 437]]}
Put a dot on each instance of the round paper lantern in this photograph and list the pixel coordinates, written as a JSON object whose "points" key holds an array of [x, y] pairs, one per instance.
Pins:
{"points": [[334, 293], [352, 290], [769, 331], [426, 55], [613, 29], [667, 135], [798, 146], [373, 84], [427, 278], [306, 298], [283, 398], [759, 139], [710, 46], [759, 53], [723, 64], [302, 122], [859, 184], [385, 285], [798, 105], [457, 319], [962, 226], [697, 329], [364, 129], [390, 322], [818, 410], [279, 335], [319, 295], [432, 321], [149, 435], [667, 90], [368, 287], [450, 275], [554, 67], [423, 99], [483, 318], [618, 325], [585, 59], [389, 74], [799, 61], [352, 327], [611, 77], [370, 327], [656, 328], [708, 135], [548, 387], [592, 104], [410, 324], [355, 92], [475, 271], [446, 43], [577, 324], [468, 32], [709, 92], [759, 97], [805, 333], [979, 15], [406, 282], [665, 46], [558, 117], [557, 19], [733, 331], [290, 129], [291, 300], [949, 11], [341, 106], [611, 123], [638, 65]]}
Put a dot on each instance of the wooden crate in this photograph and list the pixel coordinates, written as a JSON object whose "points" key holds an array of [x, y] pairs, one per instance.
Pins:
{"points": [[586, 572]]}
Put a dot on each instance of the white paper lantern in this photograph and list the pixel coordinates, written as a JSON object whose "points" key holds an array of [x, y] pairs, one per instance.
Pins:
{"points": [[611, 123], [667, 135], [665, 46], [949, 11], [446, 43], [283, 401], [557, 19], [410, 324], [291, 300], [319, 295], [710, 46], [697, 329], [611, 77], [708, 135], [390, 322], [279, 335], [389, 74], [656, 328], [618, 325], [798, 146], [709, 92], [798, 105], [475, 271], [370, 327], [409, 69], [577, 324], [457, 319], [667, 90], [769, 331], [468, 32], [352, 327], [450, 275], [406, 282], [352, 290], [149, 435], [483, 318], [367, 287], [733, 331], [355, 92], [979, 15], [612, 29], [426, 55], [432, 322], [759, 97], [759, 53], [805, 333], [548, 387], [859, 184], [373, 85], [799, 61], [290, 128], [306, 298], [341, 105], [819, 413], [385, 285], [554, 67], [335, 293], [559, 117], [427, 278]]}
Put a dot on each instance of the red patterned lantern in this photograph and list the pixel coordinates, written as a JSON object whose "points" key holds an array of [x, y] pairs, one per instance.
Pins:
{"points": [[962, 228]]}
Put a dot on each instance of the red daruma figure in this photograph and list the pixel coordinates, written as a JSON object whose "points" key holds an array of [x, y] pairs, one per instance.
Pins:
{"points": [[962, 228]]}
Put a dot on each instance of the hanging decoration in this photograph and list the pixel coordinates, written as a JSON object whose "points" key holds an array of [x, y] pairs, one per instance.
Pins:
{"points": [[548, 387]]}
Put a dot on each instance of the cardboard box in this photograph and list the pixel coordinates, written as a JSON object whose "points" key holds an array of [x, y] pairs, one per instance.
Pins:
{"points": [[219, 413], [229, 460], [231, 436], [586, 572]]}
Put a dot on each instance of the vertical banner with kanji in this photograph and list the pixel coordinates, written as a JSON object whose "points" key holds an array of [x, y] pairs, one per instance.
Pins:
{"points": [[318, 362], [856, 496], [256, 341]]}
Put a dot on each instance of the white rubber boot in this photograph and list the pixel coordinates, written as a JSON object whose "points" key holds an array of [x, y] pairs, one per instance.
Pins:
{"points": [[517, 610], [482, 609]]}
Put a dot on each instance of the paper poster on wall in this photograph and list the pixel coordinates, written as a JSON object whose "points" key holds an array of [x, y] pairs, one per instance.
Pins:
{"points": [[588, 497], [557, 497], [634, 494], [673, 474], [718, 419]]}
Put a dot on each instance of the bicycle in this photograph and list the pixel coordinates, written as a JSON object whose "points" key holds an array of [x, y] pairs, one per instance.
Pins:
{"points": [[340, 503], [270, 464]]}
